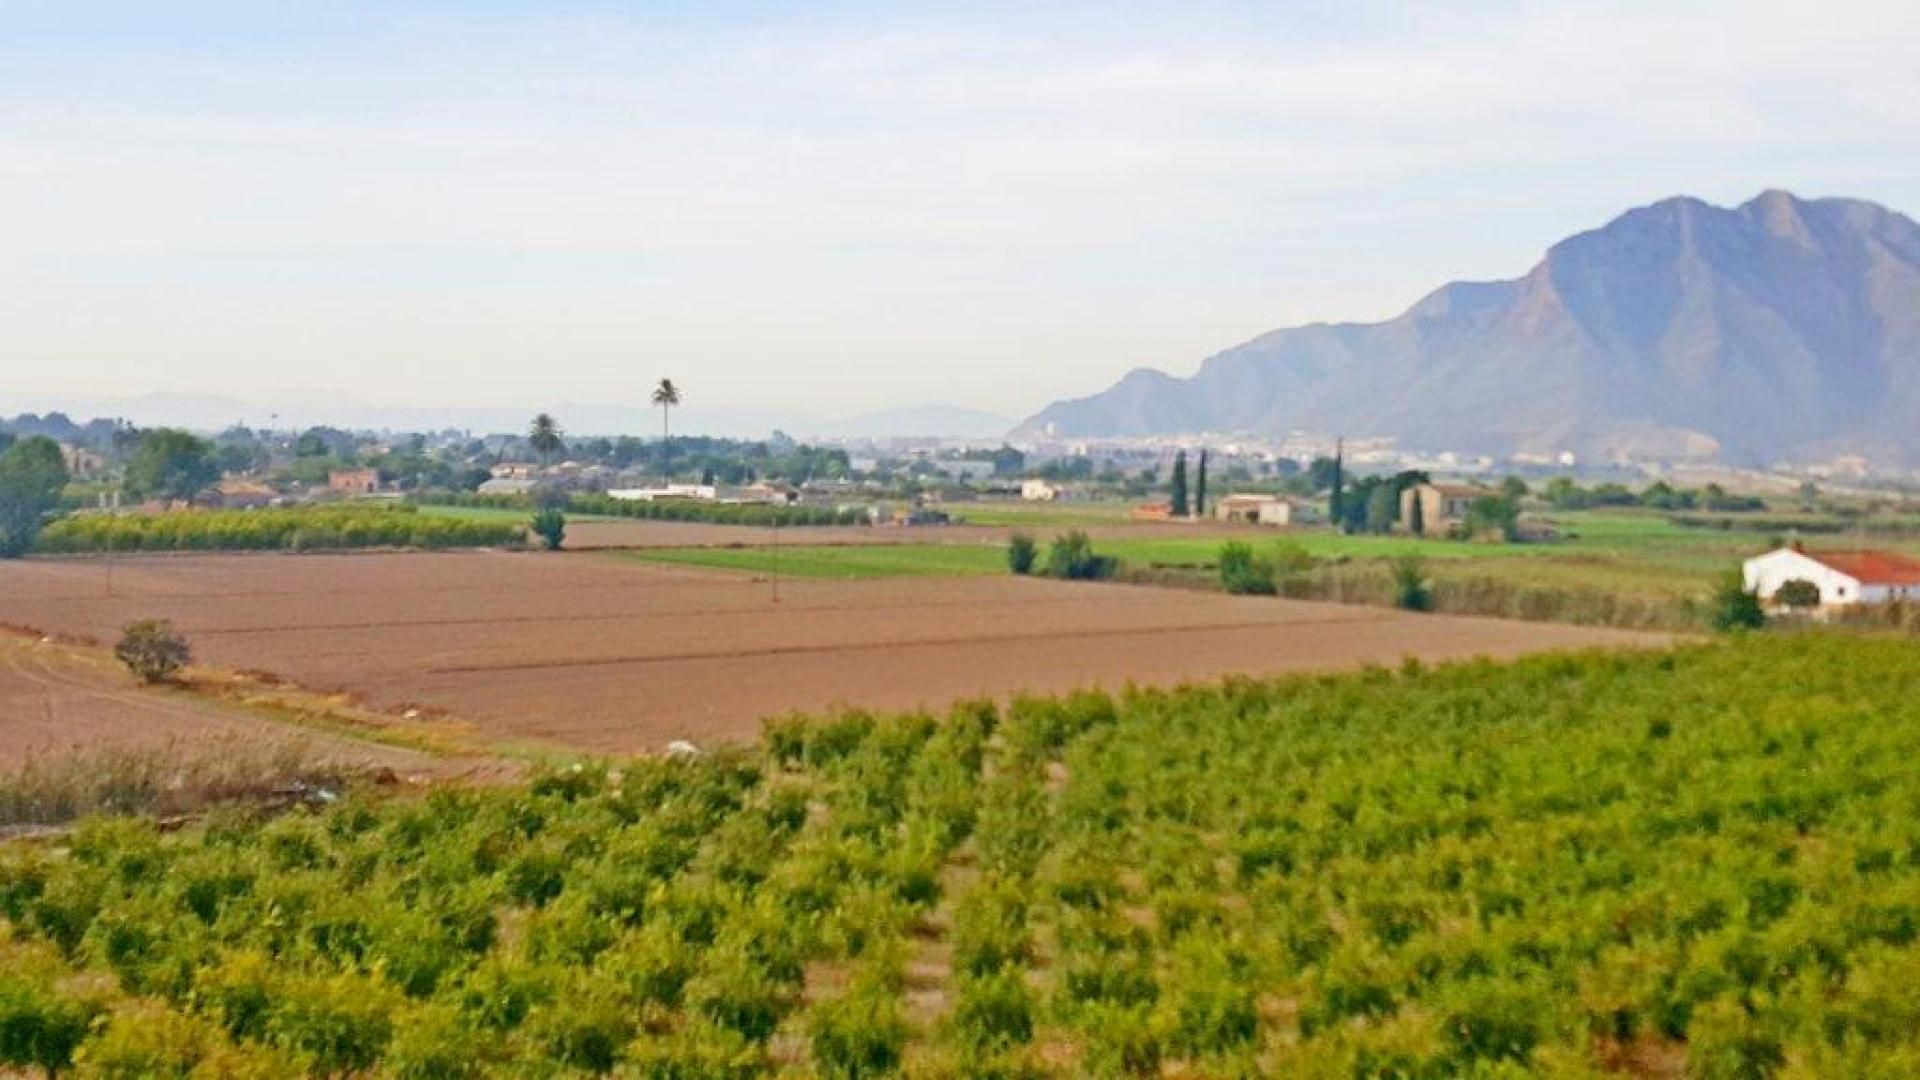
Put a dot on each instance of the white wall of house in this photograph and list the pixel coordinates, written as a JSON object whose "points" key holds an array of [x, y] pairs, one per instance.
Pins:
{"points": [[1765, 574]]}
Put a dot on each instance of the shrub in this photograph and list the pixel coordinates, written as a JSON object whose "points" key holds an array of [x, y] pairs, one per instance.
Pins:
{"points": [[551, 527], [1797, 595], [1411, 590], [993, 1010], [1021, 553], [153, 650], [1072, 557], [1243, 573], [859, 1035], [1733, 607]]}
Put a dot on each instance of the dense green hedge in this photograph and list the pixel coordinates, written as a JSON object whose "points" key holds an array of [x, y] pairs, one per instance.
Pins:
{"points": [[295, 529], [1705, 860], [665, 509]]}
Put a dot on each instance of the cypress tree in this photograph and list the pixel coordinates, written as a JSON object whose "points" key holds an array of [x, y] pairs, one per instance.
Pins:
{"points": [[1200, 487], [1336, 504], [1179, 500]]}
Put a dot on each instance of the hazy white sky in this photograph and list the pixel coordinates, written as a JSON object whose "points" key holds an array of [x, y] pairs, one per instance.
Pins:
{"points": [[834, 208]]}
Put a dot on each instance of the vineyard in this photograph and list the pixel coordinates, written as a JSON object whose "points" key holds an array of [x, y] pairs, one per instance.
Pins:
{"points": [[1703, 861], [301, 529]]}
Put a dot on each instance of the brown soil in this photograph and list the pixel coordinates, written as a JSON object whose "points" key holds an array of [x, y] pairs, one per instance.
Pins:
{"points": [[612, 656], [58, 701]]}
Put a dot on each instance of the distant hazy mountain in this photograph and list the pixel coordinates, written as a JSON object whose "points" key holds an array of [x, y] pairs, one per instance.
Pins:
{"points": [[949, 421], [1783, 328]]}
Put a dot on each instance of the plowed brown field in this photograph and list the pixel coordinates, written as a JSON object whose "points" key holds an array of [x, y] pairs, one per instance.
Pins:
{"points": [[609, 655]]}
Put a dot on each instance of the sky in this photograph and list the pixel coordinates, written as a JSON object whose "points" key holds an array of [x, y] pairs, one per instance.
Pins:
{"points": [[820, 210]]}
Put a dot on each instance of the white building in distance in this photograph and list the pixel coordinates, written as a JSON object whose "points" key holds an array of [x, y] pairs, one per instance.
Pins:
{"points": [[1843, 577]]}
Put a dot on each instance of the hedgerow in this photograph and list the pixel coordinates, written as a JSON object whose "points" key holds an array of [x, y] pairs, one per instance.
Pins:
{"points": [[691, 510], [293, 529], [1704, 860]]}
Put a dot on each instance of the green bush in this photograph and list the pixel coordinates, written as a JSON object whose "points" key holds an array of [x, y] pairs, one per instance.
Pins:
{"points": [[1411, 590], [859, 1035], [1243, 573], [1072, 557], [1021, 553], [153, 650], [1733, 607], [551, 527]]}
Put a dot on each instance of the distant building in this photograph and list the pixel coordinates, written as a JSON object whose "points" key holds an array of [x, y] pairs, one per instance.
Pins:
{"points": [[1442, 507], [1843, 577], [507, 485], [1265, 510], [353, 481], [236, 494], [514, 470], [701, 492], [82, 464], [968, 471], [1038, 491]]}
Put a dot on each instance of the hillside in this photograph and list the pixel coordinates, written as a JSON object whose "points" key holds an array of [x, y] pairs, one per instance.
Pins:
{"points": [[1782, 328]]}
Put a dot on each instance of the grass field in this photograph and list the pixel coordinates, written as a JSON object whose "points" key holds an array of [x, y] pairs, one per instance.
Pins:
{"points": [[1701, 862]]}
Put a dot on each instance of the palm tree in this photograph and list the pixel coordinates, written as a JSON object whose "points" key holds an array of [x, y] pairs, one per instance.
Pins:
{"points": [[666, 396], [544, 435]]}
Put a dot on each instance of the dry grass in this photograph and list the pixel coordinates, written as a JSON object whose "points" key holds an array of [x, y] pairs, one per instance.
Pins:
{"points": [[178, 779]]}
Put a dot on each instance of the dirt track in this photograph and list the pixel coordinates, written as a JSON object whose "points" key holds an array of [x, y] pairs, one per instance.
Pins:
{"points": [[610, 655]]}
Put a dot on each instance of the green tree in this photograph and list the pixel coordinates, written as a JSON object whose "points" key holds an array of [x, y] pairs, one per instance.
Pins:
{"points": [[1798, 594], [1177, 501], [1733, 607], [153, 650], [1383, 508], [1200, 487], [171, 465], [545, 437], [1493, 515], [1417, 516], [1336, 499], [550, 525], [32, 472], [1411, 589], [1244, 573], [1021, 553]]}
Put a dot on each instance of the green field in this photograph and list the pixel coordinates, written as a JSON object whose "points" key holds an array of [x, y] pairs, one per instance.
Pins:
{"points": [[1704, 861], [1039, 515]]}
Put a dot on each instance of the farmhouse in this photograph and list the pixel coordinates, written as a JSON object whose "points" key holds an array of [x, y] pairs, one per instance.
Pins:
{"points": [[698, 492], [354, 481], [1440, 506], [1038, 491], [1264, 510], [1843, 577]]}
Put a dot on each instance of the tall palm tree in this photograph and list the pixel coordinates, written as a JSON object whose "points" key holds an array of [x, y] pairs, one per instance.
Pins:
{"points": [[666, 396], [544, 435]]}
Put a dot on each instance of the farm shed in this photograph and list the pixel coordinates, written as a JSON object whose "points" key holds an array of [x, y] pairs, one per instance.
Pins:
{"points": [[1843, 577]]}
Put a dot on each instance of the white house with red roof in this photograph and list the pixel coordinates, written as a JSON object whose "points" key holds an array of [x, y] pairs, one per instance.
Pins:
{"points": [[1843, 577]]}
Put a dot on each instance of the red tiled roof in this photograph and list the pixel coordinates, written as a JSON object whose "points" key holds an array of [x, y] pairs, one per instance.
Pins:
{"points": [[1871, 567]]}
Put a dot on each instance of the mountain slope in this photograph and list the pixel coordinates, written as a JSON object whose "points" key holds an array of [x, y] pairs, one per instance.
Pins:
{"points": [[1783, 328]]}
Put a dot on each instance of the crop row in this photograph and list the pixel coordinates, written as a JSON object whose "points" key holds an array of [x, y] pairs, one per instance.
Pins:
{"points": [[689, 510], [1704, 860], [298, 529]]}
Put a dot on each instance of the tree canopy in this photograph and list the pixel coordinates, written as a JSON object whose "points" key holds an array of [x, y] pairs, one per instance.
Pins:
{"points": [[32, 472], [170, 464]]}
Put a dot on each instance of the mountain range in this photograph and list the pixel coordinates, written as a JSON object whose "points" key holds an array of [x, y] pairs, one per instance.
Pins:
{"points": [[1780, 329]]}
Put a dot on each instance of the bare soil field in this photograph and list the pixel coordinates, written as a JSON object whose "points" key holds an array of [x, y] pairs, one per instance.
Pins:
{"points": [[595, 534], [58, 702], [609, 655]]}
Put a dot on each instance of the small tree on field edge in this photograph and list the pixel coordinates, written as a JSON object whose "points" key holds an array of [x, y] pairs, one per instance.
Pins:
{"points": [[1734, 607], [1021, 553], [153, 650], [1411, 590], [551, 527]]}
